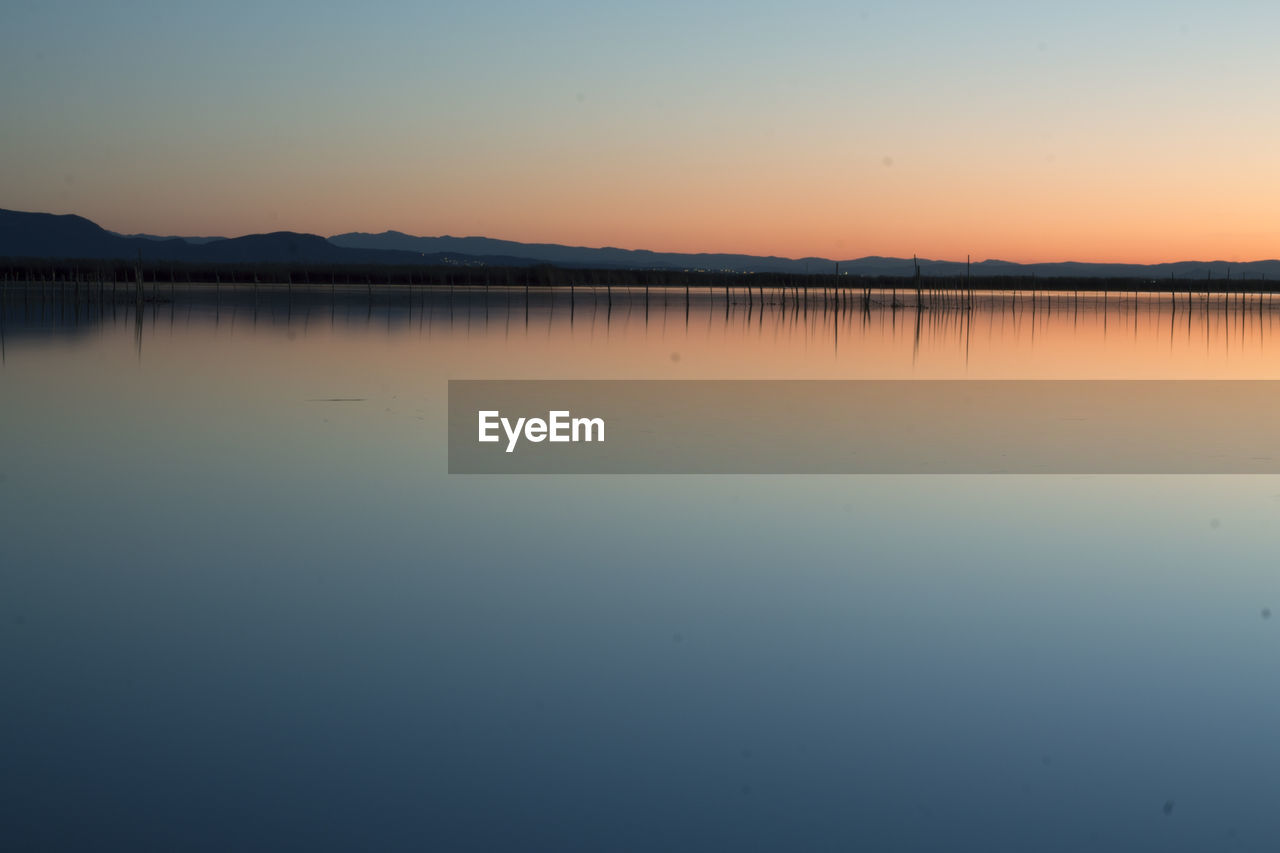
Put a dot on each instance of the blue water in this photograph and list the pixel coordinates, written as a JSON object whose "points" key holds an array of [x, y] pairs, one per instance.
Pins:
{"points": [[235, 615]]}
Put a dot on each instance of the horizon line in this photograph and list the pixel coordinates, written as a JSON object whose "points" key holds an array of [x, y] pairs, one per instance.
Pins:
{"points": [[770, 256]]}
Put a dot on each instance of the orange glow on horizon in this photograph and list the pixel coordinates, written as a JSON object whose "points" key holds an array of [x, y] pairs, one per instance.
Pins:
{"points": [[1078, 218], [1129, 201]]}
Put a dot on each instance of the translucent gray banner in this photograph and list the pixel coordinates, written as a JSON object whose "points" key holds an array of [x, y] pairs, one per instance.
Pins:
{"points": [[863, 427]]}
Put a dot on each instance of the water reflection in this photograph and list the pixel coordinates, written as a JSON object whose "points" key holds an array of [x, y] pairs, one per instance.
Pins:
{"points": [[830, 332], [242, 605]]}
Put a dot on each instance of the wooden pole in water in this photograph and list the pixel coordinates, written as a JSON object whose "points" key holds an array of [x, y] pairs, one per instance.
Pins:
{"points": [[916, 261]]}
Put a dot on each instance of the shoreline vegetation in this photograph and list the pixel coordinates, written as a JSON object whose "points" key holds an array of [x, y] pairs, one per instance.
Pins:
{"points": [[143, 277]]}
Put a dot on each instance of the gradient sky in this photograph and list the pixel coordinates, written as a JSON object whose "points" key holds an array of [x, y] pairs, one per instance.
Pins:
{"points": [[1117, 131]]}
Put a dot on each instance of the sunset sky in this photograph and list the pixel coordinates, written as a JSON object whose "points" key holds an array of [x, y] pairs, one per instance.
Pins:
{"points": [[1102, 131]]}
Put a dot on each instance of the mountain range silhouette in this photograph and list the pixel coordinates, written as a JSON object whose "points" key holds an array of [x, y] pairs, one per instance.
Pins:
{"points": [[67, 236]]}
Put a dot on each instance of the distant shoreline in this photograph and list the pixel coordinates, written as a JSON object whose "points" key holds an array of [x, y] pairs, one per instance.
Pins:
{"points": [[86, 272]]}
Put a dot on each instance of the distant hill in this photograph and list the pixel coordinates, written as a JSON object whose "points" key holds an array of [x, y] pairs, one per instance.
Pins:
{"points": [[1181, 270], [606, 258], [196, 240], [580, 256], [44, 235]]}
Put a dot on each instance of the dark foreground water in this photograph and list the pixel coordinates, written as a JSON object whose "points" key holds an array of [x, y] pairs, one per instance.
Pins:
{"points": [[243, 605]]}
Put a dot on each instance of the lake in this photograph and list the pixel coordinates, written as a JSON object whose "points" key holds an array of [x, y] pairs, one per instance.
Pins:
{"points": [[243, 605]]}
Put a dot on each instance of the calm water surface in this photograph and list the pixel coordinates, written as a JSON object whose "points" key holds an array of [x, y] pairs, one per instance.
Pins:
{"points": [[242, 605]]}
